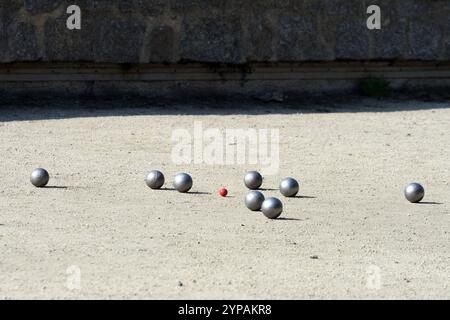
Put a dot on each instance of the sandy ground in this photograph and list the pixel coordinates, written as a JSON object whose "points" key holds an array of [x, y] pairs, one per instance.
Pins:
{"points": [[128, 241]]}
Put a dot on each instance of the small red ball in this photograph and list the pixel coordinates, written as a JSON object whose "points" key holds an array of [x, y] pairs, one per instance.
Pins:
{"points": [[223, 192]]}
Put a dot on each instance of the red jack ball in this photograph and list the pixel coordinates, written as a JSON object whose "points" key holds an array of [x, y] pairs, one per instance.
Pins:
{"points": [[223, 192]]}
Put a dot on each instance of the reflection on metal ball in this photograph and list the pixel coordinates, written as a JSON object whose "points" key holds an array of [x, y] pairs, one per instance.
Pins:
{"points": [[272, 208], [253, 180], [182, 182], [289, 187], [254, 200], [155, 179], [414, 192], [39, 177]]}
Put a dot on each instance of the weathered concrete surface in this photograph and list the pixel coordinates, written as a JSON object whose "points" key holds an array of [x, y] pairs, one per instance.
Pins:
{"points": [[223, 31]]}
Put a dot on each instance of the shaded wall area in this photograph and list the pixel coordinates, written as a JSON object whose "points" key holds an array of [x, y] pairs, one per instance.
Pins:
{"points": [[223, 31]]}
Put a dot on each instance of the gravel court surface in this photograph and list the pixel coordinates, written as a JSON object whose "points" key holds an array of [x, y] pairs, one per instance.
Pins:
{"points": [[132, 242]]}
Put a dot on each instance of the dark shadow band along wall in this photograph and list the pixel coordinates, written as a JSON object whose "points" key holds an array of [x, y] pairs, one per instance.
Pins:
{"points": [[168, 47]]}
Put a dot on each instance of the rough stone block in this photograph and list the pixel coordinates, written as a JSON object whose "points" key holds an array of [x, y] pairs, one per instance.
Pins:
{"points": [[144, 7], [263, 6], [211, 39], [162, 44], [352, 40], [120, 41], [261, 34], [100, 9], [23, 42], [62, 44], [425, 40], [417, 9], [203, 6], [300, 39], [446, 41], [40, 6], [326, 8], [9, 9], [391, 41]]}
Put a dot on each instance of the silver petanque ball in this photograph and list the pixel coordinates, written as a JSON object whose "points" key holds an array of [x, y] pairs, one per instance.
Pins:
{"points": [[289, 187], [39, 177], [253, 180], [272, 208], [155, 179], [254, 200], [414, 192], [182, 182]]}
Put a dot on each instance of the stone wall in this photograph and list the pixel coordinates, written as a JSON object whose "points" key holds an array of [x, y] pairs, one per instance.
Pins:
{"points": [[223, 31]]}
